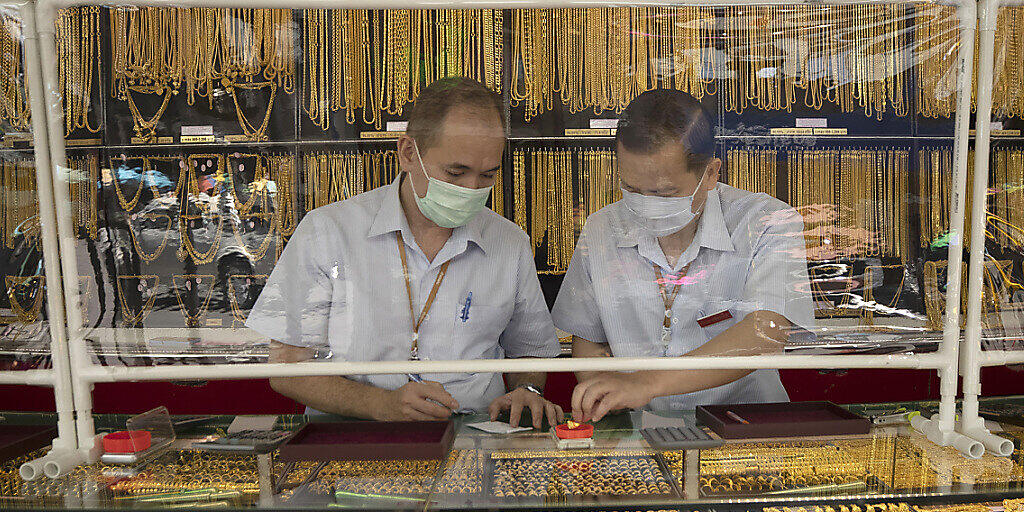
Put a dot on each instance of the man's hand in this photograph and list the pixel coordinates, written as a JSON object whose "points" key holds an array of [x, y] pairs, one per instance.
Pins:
{"points": [[515, 400], [417, 401], [610, 391]]}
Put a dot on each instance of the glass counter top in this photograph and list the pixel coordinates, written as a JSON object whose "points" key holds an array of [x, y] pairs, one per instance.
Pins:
{"points": [[891, 465]]}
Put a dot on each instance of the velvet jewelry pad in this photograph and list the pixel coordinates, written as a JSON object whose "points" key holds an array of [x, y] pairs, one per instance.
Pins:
{"points": [[370, 440]]}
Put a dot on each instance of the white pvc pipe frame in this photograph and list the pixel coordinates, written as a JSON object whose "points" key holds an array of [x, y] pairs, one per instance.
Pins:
{"points": [[972, 358], [84, 373], [59, 375]]}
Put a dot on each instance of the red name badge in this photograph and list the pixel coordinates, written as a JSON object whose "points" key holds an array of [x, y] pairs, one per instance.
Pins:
{"points": [[709, 320]]}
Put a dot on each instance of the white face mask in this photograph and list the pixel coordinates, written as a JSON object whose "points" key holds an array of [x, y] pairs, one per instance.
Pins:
{"points": [[661, 216], [448, 205]]}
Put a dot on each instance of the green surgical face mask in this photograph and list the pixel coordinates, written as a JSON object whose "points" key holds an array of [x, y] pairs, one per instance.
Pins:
{"points": [[448, 205]]}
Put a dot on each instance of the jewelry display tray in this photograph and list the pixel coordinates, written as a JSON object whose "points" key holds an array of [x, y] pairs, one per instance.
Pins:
{"points": [[786, 419], [370, 440], [17, 440]]}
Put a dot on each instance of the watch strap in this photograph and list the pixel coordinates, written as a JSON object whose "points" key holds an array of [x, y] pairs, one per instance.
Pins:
{"points": [[531, 388]]}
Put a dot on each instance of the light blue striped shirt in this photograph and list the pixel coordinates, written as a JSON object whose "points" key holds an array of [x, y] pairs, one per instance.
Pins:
{"points": [[748, 254], [339, 286]]}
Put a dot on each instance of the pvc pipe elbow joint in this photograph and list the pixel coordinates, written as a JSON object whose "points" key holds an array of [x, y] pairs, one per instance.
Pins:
{"points": [[967, 446], [970, 448], [33, 469], [999, 446], [62, 463]]}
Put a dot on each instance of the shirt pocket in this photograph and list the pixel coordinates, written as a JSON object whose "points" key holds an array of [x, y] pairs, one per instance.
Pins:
{"points": [[475, 332], [476, 328]]}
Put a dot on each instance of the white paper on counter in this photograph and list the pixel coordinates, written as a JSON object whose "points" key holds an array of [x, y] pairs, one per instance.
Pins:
{"points": [[497, 427]]}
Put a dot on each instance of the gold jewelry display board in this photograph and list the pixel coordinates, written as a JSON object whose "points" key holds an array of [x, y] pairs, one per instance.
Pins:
{"points": [[208, 133]]}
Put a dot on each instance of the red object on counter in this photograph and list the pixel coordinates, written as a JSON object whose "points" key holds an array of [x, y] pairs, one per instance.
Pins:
{"points": [[127, 441], [583, 431]]}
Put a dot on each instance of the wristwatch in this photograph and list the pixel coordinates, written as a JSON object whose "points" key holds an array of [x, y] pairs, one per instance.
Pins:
{"points": [[531, 388]]}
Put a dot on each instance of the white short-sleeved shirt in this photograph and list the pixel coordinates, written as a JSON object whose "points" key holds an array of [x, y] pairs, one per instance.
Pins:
{"points": [[339, 287], [748, 254]]}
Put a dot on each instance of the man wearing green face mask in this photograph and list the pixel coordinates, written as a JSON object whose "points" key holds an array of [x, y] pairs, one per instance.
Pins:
{"points": [[419, 269]]}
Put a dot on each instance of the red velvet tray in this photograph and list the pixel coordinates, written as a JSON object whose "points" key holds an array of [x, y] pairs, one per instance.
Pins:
{"points": [[370, 440], [17, 440], [786, 419]]}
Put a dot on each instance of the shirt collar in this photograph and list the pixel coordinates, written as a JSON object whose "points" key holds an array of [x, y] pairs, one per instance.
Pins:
{"points": [[391, 218], [711, 233]]}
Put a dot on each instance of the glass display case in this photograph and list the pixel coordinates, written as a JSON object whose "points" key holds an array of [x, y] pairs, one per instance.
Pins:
{"points": [[219, 161], [891, 468]]}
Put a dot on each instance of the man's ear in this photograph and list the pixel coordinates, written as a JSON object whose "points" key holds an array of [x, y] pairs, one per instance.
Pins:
{"points": [[406, 152], [714, 170]]}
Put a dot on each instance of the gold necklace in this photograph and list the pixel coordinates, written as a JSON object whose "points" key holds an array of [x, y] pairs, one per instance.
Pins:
{"points": [[77, 48], [272, 224], [126, 204], [84, 183], [191, 284], [251, 131], [133, 319], [19, 286], [14, 107], [236, 308], [188, 188], [148, 257], [259, 175], [282, 171]]}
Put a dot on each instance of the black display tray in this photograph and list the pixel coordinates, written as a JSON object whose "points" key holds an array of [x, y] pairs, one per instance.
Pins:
{"points": [[370, 440], [783, 419]]}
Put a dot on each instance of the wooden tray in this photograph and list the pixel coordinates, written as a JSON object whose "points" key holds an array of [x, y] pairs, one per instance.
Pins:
{"points": [[370, 440], [786, 419]]}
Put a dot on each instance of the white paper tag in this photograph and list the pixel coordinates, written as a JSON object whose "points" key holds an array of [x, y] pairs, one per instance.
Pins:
{"points": [[604, 123], [497, 427], [197, 130], [996, 125], [811, 122], [397, 126], [241, 423]]}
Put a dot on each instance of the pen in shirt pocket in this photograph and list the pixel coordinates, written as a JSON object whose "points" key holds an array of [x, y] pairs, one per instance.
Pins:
{"points": [[464, 316]]}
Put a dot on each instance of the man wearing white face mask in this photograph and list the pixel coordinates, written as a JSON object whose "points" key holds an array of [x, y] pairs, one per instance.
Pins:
{"points": [[682, 265], [416, 270]]}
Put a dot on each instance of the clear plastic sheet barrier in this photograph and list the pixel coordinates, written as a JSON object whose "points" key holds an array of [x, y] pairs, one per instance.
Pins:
{"points": [[253, 185], [24, 318]]}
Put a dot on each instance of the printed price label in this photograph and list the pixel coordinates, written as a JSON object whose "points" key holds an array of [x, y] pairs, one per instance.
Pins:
{"points": [[792, 131], [582, 132], [380, 135], [193, 139]]}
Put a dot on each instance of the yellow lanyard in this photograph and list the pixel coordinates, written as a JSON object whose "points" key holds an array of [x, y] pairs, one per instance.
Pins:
{"points": [[669, 298], [416, 322]]}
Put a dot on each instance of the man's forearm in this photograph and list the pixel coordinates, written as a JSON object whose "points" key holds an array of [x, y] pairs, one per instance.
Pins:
{"points": [[761, 332], [536, 379], [332, 394], [582, 347]]}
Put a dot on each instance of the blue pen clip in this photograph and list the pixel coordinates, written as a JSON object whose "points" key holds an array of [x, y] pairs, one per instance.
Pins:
{"points": [[464, 316]]}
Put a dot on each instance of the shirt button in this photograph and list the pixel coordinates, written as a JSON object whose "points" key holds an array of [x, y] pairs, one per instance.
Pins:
{"points": [[700, 313], [675, 320]]}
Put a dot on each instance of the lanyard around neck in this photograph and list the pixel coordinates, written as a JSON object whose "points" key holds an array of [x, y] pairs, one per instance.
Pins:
{"points": [[416, 322], [668, 298]]}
